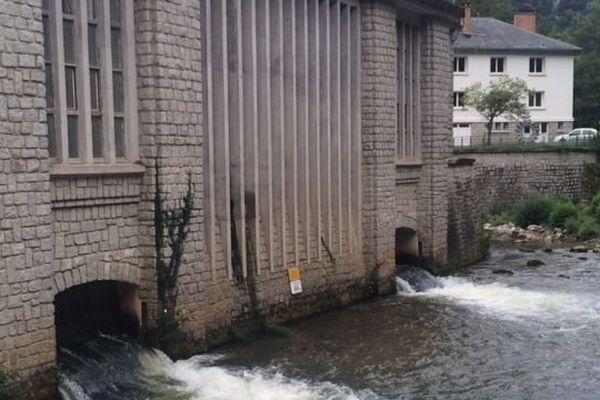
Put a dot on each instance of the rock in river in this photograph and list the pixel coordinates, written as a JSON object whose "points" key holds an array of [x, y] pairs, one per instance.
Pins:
{"points": [[579, 249], [501, 271], [535, 263]]}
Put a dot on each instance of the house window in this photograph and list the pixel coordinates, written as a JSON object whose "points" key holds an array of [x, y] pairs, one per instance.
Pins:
{"points": [[459, 99], [536, 65], [527, 129], [460, 64], [497, 65], [409, 83], [543, 128], [500, 126], [90, 80], [536, 99], [561, 125]]}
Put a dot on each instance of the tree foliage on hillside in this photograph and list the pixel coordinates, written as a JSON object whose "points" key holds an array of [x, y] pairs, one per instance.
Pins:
{"points": [[573, 21], [554, 15]]}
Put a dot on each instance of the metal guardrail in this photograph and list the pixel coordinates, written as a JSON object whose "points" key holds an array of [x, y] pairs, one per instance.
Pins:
{"points": [[467, 145]]}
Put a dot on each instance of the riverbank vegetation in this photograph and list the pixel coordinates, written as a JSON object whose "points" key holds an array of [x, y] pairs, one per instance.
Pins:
{"points": [[580, 221]]}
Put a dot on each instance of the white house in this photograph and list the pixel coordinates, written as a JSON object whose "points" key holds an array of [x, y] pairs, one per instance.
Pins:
{"points": [[488, 49]]}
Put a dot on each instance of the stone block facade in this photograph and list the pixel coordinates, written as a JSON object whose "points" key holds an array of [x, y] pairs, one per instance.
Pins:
{"points": [[379, 44], [62, 227], [26, 228], [432, 208]]}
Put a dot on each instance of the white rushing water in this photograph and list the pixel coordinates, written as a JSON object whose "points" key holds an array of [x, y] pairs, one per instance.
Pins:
{"points": [[403, 287], [142, 370], [218, 383], [512, 302]]}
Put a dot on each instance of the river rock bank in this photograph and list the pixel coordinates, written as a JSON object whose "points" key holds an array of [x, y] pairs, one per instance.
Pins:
{"points": [[541, 236]]}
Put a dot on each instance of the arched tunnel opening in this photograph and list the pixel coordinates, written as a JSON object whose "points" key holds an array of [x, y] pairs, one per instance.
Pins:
{"points": [[408, 250], [107, 307]]}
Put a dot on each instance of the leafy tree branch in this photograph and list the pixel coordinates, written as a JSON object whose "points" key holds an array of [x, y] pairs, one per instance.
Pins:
{"points": [[502, 98]]}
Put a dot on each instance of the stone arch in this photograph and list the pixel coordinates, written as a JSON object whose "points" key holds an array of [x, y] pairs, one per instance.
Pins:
{"points": [[90, 269], [407, 247]]}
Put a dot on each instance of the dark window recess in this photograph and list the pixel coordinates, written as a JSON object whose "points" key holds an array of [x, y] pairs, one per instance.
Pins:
{"points": [[536, 65], [497, 65]]}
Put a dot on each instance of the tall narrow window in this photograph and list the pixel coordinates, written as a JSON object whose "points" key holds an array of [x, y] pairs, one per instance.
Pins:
{"points": [[95, 79], [91, 103], [459, 99], [50, 111], [536, 65], [409, 83], [118, 88], [70, 27], [460, 64], [497, 65], [536, 99]]}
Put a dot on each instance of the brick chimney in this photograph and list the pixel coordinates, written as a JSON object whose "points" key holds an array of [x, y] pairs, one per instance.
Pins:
{"points": [[526, 18], [468, 19]]}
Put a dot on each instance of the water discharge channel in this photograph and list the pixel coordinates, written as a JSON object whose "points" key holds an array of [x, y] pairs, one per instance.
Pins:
{"points": [[531, 335]]}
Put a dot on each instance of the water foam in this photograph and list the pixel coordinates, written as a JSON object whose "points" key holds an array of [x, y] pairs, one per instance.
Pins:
{"points": [[133, 371], [403, 286], [513, 302], [218, 383]]}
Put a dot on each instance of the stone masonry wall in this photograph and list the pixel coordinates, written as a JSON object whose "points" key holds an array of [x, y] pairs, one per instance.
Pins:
{"points": [[96, 230], [504, 179], [26, 312], [58, 231], [407, 197], [171, 84], [379, 44], [437, 116], [169, 61]]}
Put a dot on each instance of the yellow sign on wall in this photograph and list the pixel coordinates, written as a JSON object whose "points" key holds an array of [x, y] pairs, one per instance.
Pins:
{"points": [[294, 273], [295, 281]]}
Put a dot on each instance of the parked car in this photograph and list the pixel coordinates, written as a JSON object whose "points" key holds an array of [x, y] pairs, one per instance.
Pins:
{"points": [[577, 135]]}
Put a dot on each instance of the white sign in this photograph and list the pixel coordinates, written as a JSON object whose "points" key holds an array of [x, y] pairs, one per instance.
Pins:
{"points": [[296, 287]]}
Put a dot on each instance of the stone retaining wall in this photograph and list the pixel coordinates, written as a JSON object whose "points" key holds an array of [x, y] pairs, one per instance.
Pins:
{"points": [[480, 182]]}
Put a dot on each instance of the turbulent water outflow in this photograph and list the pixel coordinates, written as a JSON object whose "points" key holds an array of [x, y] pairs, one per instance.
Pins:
{"points": [[118, 368], [533, 334], [503, 301]]}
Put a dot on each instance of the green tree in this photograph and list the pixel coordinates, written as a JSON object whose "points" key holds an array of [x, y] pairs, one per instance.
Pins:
{"points": [[585, 34], [499, 9], [503, 97]]}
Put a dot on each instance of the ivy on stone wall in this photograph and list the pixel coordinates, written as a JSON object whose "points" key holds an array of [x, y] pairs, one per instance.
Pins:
{"points": [[171, 226]]}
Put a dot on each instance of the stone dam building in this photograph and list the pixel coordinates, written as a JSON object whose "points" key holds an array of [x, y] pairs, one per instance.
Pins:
{"points": [[317, 134]]}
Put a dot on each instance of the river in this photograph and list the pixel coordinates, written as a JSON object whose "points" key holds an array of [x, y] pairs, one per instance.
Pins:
{"points": [[531, 335]]}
